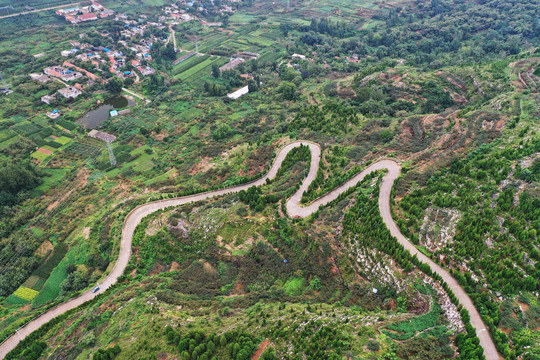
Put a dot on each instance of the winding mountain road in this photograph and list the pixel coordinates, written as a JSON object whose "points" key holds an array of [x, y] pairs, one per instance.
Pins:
{"points": [[294, 209]]}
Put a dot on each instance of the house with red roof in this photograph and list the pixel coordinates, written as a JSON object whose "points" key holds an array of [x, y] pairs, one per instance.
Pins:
{"points": [[88, 17]]}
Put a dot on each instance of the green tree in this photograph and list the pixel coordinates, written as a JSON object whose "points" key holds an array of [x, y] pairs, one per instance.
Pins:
{"points": [[114, 85], [215, 70], [288, 90], [252, 86]]}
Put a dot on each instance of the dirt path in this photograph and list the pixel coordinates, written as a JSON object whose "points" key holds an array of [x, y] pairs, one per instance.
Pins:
{"points": [[294, 209], [45, 9], [135, 94]]}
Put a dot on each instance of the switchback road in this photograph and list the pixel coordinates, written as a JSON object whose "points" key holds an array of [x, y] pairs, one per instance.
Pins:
{"points": [[294, 209]]}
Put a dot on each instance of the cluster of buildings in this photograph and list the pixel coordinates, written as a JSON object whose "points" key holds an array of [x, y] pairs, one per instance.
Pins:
{"points": [[115, 59], [91, 12], [62, 73], [100, 57], [69, 92], [175, 13], [65, 74]]}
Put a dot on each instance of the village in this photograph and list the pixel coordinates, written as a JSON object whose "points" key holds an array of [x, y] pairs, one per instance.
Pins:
{"points": [[89, 64]]}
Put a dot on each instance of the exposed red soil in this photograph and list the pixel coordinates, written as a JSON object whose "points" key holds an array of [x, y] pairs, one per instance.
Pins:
{"points": [[260, 350], [238, 289], [523, 306], [45, 151]]}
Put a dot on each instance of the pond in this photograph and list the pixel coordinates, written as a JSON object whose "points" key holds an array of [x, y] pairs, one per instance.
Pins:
{"points": [[98, 116]]}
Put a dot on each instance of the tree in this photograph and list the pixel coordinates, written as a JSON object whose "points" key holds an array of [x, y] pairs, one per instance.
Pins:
{"points": [[215, 70], [115, 85], [222, 131], [168, 52], [252, 86], [288, 90]]}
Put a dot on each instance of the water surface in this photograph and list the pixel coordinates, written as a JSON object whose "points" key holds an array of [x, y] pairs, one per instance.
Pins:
{"points": [[95, 118]]}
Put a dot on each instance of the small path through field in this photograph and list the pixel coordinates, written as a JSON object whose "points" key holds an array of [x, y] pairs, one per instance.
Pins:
{"points": [[135, 94], [294, 209]]}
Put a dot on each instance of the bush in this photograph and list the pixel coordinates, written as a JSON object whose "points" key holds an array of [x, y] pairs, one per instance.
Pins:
{"points": [[373, 345]]}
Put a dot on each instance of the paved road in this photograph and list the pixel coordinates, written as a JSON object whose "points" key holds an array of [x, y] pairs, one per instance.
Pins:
{"points": [[293, 209], [44, 9]]}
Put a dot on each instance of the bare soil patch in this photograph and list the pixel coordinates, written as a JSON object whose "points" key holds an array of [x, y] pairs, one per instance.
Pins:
{"points": [[260, 350], [45, 151], [44, 248]]}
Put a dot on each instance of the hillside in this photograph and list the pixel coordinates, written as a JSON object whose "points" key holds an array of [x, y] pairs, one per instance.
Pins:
{"points": [[448, 89]]}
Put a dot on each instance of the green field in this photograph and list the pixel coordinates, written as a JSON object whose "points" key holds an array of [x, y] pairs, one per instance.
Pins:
{"points": [[7, 134], [25, 293], [197, 68], [58, 253], [51, 287], [63, 140], [406, 329], [39, 155]]}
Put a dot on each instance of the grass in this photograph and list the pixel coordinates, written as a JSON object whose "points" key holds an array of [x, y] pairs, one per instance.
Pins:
{"points": [[231, 232], [49, 148], [406, 329], [294, 286], [37, 232], [158, 178], [55, 177]]}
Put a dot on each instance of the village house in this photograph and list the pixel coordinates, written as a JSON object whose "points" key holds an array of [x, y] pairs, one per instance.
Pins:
{"points": [[96, 6], [232, 64], [47, 99], [67, 53], [106, 13], [103, 136], [87, 17], [72, 19], [73, 10], [62, 73], [53, 114], [86, 72], [146, 70], [42, 78], [70, 92]]}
